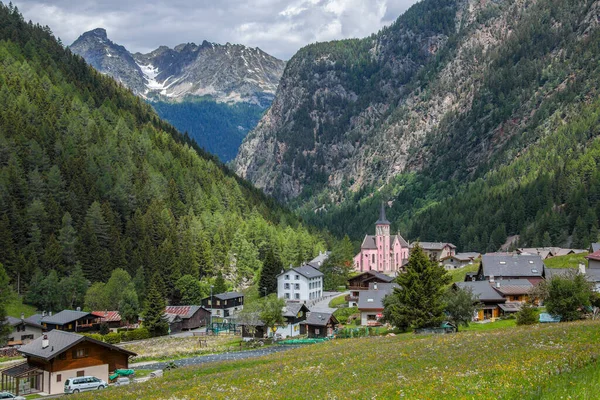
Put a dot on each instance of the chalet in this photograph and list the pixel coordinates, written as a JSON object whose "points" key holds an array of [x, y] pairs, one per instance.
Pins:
{"points": [[318, 261], [593, 260], [70, 321], [549, 252], [498, 297], [111, 318], [498, 267], [459, 260], [362, 282], [300, 284], [319, 325], [370, 302], [23, 331], [225, 304], [175, 323], [487, 296], [192, 317], [57, 356], [294, 313], [253, 330], [436, 251]]}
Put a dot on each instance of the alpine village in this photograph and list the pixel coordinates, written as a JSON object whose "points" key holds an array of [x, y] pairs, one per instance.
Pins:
{"points": [[412, 214]]}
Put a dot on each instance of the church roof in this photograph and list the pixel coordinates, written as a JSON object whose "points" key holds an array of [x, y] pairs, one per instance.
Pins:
{"points": [[369, 242], [382, 219]]}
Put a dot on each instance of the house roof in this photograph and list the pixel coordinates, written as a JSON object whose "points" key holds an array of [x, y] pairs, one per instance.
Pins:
{"points": [[512, 286], [319, 260], [511, 306], [316, 318], [369, 242], [372, 299], [305, 270], [388, 286], [594, 256], [12, 321], [183, 311], [463, 256], [551, 272], [374, 274], [291, 309], [432, 245], [35, 319], [515, 265], [60, 341], [170, 317], [66, 316], [227, 296], [108, 316], [543, 252], [482, 289]]}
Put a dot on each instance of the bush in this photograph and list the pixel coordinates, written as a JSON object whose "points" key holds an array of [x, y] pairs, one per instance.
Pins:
{"points": [[104, 329], [528, 315], [342, 314], [95, 336], [138, 334], [112, 338]]}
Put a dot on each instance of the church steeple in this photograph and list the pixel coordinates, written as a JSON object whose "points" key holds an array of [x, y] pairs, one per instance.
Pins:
{"points": [[382, 219]]}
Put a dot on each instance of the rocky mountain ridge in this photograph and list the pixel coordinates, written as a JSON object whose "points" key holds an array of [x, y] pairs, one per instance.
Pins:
{"points": [[227, 73]]}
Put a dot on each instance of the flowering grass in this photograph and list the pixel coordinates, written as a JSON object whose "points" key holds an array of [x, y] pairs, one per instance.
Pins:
{"points": [[496, 364], [568, 261], [170, 348]]}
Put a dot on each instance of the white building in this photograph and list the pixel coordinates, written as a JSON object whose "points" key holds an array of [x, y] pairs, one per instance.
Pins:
{"points": [[301, 284]]}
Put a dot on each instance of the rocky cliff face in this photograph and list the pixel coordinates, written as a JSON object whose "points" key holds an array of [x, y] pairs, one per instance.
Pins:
{"points": [[227, 73], [420, 95]]}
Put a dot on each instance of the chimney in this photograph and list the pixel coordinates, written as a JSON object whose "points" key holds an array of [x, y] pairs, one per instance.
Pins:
{"points": [[492, 278], [45, 342], [43, 314], [582, 268], [78, 308], [497, 284], [375, 286], [49, 313]]}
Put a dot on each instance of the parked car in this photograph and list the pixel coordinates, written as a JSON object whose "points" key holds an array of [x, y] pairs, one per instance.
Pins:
{"points": [[8, 395], [83, 383]]}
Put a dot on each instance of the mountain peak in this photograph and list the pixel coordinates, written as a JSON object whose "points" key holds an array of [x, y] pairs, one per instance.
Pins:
{"points": [[98, 32]]}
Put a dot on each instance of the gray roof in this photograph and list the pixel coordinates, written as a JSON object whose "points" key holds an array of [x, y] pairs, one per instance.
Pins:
{"points": [[291, 309], [305, 270], [319, 260], [552, 272], [593, 274], [66, 316], [595, 247], [316, 318], [228, 295], [16, 321], [389, 286], [373, 299], [35, 319], [515, 265], [369, 242], [432, 245], [170, 317], [482, 289], [464, 256], [60, 341]]}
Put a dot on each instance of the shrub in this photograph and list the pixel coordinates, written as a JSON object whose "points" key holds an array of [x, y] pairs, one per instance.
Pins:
{"points": [[95, 336], [528, 315], [112, 338], [138, 334], [104, 329]]}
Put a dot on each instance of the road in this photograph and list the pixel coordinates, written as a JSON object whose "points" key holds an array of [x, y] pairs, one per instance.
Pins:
{"points": [[322, 304], [238, 355]]}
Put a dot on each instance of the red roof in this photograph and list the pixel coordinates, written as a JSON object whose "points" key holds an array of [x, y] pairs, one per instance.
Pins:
{"points": [[108, 316], [594, 256], [182, 311]]}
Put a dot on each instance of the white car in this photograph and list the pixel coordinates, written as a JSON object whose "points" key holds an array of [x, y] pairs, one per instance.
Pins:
{"points": [[8, 395], [83, 383]]}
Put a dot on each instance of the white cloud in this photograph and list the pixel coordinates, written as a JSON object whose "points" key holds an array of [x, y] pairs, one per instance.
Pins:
{"points": [[280, 27]]}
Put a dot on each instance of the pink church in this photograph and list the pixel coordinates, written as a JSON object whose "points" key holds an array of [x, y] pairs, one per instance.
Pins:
{"points": [[382, 252]]}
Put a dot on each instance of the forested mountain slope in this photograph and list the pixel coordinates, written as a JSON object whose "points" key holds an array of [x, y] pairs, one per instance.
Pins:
{"points": [[474, 120], [90, 175]]}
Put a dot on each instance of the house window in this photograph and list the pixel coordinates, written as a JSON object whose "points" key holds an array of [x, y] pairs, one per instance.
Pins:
{"points": [[80, 353], [287, 277], [62, 356], [59, 378], [297, 286], [297, 277], [297, 296], [286, 286], [70, 326], [26, 337], [287, 295], [80, 373], [371, 317], [373, 258], [218, 302]]}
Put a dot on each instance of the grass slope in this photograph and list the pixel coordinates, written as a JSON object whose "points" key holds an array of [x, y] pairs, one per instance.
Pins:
{"points": [[499, 364], [15, 307], [568, 261]]}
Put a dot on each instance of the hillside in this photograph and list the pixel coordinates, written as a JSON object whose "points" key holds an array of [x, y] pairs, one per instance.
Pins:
{"points": [[515, 363], [201, 89], [90, 175], [474, 120]]}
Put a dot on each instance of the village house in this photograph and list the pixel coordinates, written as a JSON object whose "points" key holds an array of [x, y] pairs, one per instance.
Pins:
{"points": [[192, 317], [294, 314], [70, 321], [302, 283], [498, 267], [175, 323], [57, 356], [436, 251], [361, 282], [225, 304], [498, 297], [382, 252], [318, 261], [459, 260], [370, 302], [110, 318], [549, 252], [319, 325], [23, 331]]}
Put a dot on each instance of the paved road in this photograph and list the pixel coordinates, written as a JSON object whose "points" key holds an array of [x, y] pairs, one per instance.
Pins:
{"points": [[238, 355], [322, 304]]}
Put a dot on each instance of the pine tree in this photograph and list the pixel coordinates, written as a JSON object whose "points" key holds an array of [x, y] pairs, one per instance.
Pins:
{"points": [[5, 294], [272, 267], [418, 303], [219, 286], [67, 236], [154, 309]]}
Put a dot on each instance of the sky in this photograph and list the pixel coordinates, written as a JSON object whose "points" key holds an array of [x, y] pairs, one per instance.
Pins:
{"points": [[279, 27]]}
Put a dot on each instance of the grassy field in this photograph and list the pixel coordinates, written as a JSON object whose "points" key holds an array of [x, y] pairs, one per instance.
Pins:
{"points": [[170, 348], [15, 307], [458, 275], [495, 364], [337, 301], [568, 261]]}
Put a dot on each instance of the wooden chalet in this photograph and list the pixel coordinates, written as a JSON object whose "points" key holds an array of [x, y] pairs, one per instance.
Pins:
{"points": [[361, 282], [319, 325], [192, 317], [70, 321]]}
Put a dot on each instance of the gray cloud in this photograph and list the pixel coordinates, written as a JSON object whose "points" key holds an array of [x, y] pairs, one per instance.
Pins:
{"points": [[280, 27]]}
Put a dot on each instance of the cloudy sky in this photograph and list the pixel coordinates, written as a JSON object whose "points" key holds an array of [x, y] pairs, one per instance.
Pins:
{"points": [[280, 27]]}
